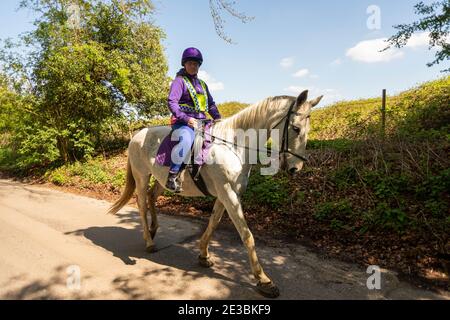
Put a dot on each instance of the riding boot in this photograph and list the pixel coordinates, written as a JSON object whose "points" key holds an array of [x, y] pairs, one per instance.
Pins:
{"points": [[172, 183]]}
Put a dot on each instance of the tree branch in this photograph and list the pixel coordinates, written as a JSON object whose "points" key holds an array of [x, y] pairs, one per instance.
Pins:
{"points": [[216, 6]]}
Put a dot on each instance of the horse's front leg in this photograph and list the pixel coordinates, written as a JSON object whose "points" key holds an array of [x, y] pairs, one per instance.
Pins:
{"points": [[204, 258], [232, 204]]}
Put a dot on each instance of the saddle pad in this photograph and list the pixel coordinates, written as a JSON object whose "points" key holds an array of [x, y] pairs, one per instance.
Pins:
{"points": [[165, 148]]}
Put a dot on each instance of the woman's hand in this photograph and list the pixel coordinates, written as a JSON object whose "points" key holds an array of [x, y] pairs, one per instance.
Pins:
{"points": [[192, 123]]}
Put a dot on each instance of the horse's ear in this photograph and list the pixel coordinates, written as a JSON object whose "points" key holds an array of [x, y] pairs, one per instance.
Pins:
{"points": [[316, 101], [302, 98]]}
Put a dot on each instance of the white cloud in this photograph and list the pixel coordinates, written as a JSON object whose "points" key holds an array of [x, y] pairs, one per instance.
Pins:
{"points": [[418, 40], [296, 89], [212, 83], [369, 51], [301, 73], [287, 62]]}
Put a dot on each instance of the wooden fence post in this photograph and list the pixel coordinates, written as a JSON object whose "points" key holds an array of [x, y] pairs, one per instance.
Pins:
{"points": [[383, 114]]}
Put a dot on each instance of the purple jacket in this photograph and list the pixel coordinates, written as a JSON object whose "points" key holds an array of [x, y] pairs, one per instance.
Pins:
{"points": [[179, 94]]}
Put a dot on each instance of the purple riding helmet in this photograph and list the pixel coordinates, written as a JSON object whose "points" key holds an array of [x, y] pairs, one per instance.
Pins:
{"points": [[192, 54]]}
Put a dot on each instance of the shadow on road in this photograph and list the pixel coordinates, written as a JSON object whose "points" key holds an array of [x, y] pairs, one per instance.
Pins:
{"points": [[177, 248]]}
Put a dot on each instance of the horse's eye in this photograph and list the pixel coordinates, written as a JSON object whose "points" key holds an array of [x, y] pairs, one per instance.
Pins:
{"points": [[296, 129]]}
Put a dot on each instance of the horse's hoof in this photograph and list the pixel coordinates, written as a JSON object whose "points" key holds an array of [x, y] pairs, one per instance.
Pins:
{"points": [[268, 290], [205, 262], [151, 249]]}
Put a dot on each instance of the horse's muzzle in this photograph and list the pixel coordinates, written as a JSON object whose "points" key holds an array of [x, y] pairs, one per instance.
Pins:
{"points": [[293, 170]]}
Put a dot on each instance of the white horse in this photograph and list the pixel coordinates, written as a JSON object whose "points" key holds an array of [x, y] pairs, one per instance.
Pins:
{"points": [[225, 175]]}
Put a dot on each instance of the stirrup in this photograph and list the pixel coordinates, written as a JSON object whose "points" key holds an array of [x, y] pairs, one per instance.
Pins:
{"points": [[173, 184]]}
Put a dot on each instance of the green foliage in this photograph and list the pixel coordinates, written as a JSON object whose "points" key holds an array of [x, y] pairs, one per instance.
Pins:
{"points": [[300, 196], [342, 120], [335, 144], [38, 146], [344, 177], [386, 186], [419, 112], [7, 159], [91, 173], [267, 190], [59, 178], [390, 218], [118, 179], [161, 121], [437, 208], [94, 172], [10, 103], [328, 211], [435, 21], [228, 109], [82, 75], [337, 224], [424, 109], [434, 186]]}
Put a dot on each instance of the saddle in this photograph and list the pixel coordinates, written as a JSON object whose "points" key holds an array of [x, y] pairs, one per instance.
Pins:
{"points": [[197, 155]]}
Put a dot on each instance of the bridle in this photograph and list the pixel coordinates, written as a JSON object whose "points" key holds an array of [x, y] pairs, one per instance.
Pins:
{"points": [[284, 142]]}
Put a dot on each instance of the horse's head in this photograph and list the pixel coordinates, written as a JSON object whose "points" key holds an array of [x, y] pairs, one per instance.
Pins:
{"points": [[296, 133]]}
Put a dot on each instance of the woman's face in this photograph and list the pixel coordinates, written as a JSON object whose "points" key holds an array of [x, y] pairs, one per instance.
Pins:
{"points": [[191, 67]]}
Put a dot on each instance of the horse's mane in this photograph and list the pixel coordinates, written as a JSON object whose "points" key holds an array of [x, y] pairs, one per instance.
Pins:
{"points": [[246, 118]]}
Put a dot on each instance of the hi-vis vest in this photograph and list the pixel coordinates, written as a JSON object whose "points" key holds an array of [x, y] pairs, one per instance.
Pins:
{"points": [[200, 100]]}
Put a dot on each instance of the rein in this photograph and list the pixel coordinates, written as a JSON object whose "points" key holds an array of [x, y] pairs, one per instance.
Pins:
{"points": [[284, 142]]}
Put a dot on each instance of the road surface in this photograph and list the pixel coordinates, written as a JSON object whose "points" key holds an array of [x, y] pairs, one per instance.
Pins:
{"points": [[55, 245]]}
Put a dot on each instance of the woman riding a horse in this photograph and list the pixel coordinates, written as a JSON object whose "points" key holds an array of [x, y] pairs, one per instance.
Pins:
{"points": [[225, 174], [189, 100]]}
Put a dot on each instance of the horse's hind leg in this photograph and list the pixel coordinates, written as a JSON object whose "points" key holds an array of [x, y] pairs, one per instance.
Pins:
{"points": [[204, 259], [152, 195], [141, 190]]}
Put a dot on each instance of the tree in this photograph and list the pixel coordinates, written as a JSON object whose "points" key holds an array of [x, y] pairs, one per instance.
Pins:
{"points": [[436, 21], [81, 68], [87, 61], [8, 110]]}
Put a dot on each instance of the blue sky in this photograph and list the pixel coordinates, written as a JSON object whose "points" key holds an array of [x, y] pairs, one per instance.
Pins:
{"points": [[323, 45]]}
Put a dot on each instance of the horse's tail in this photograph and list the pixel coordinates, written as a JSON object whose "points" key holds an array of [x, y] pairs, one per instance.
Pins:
{"points": [[126, 194]]}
